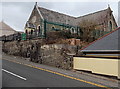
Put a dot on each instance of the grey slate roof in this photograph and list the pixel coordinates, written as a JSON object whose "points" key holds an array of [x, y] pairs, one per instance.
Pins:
{"points": [[53, 16], [99, 17], [110, 42]]}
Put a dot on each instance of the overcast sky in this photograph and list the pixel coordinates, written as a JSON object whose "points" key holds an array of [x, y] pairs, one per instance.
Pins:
{"points": [[16, 14]]}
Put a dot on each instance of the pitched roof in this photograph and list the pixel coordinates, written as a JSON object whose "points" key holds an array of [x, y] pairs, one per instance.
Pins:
{"points": [[98, 17], [4, 26], [109, 42], [54, 16]]}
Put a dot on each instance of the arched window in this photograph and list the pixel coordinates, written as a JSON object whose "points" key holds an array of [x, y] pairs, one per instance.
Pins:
{"points": [[31, 31], [72, 30], [110, 26], [39, 28], [26, 31]]}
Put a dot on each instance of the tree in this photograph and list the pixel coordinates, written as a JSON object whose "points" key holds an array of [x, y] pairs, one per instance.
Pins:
{"points": [[87, 26]]}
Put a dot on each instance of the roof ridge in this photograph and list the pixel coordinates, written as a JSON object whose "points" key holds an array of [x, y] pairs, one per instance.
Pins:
{"points": [[73, 16], [57, 12], [93, 13]]}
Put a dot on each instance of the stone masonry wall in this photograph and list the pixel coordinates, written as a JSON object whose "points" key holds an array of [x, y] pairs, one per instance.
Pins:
{"points": [[57, 55]]}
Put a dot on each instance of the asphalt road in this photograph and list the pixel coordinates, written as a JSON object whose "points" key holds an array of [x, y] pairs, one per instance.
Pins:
{"points": [[35, 77], [15, 74]]}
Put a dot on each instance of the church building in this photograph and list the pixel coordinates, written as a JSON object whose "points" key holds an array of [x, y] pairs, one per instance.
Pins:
{"points": [[43, 20]]}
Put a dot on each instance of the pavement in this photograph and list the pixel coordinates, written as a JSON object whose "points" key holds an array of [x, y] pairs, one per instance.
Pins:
{"points": [[18, 72]]}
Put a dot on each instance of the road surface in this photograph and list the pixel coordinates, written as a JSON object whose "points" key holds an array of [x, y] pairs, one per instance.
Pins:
{"points": [[16, 74]]}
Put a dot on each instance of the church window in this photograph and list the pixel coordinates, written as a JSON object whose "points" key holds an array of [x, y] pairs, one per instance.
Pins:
{"points": [[110, 26], [72, 30], [26, 31], [31, 31], [39, 28]]}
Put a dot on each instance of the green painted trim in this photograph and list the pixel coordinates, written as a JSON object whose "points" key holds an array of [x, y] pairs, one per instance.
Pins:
{"points": [[59, 24], [45, 28], [23, 36]]}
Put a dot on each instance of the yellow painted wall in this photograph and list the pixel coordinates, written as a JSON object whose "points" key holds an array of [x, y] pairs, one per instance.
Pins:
{"points": [[98, 65]]}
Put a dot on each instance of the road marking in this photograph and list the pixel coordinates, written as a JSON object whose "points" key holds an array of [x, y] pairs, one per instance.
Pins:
{"points": [[14, 74], [98, 85]]}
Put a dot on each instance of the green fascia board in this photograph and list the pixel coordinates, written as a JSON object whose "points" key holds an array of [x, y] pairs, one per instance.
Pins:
{"points": [[59, 24]]}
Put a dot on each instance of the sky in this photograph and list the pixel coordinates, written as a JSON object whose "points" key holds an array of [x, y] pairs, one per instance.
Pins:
{"points": [[15, 14]]}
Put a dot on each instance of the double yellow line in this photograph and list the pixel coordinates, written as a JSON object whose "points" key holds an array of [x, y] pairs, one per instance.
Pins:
{"points": [[98, 85]]}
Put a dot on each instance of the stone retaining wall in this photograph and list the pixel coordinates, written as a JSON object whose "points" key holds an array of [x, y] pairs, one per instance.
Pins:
{"points": [[58, 55]]}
